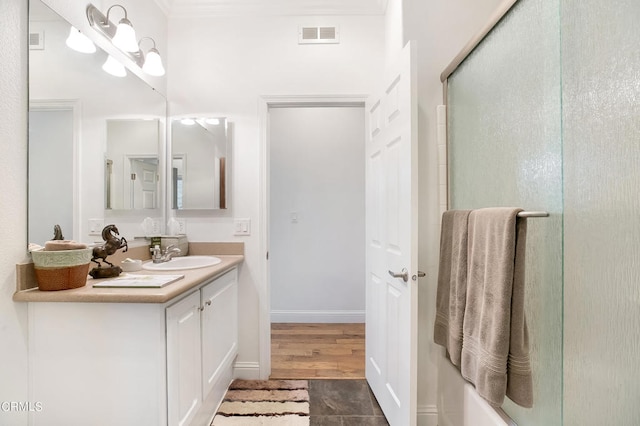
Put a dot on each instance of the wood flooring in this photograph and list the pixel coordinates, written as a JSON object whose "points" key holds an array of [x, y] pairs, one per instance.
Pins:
{"points": [[317, 351]]}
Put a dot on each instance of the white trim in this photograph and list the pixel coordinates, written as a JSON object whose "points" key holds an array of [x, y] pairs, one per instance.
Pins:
{"points": [[427, 415], [246, 370], [318, 316], [264, 291]]}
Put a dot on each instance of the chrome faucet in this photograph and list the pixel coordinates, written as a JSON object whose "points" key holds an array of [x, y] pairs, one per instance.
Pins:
{"points": [[159, 256], [169, 252]]}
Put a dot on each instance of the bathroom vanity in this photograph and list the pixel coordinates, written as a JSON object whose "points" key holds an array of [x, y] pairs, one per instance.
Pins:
{"points": [[134, 356]]}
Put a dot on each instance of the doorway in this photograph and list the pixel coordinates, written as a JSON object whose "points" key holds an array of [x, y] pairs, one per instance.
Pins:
{"points": [[316, 207]]}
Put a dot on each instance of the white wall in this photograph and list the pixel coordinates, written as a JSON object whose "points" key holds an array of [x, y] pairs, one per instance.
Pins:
{"points": [[316, 210], [13, 199], [50, 174], [221, 67]]}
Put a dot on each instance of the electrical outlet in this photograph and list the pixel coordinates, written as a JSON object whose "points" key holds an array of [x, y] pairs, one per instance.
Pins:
{"points": [[182, 226], [96, 226]]}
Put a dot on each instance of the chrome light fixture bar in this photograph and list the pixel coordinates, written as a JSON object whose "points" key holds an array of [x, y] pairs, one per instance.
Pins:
{"points": [[123, 37]]}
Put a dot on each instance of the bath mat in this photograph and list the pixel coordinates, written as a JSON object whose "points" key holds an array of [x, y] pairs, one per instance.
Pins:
{"points": [[264, 403]]}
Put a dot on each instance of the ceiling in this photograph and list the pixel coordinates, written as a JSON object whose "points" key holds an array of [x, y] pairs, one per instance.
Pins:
{"points": [[192, 8]]}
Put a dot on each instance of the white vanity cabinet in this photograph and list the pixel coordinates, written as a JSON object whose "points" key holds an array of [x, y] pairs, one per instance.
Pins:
{"points": [[184, 360], [156, 364], [202, 342]]}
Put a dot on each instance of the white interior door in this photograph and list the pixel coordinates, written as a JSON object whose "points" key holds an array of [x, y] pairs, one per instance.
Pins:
{"points": [[391, 235], [144, 183]]}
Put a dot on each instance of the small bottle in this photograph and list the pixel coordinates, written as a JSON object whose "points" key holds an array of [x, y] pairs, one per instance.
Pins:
{"points": [[156, 254]]}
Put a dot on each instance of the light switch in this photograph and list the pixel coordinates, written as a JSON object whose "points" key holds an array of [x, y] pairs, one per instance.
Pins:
{"points": [[95, 226], [242, 226]]}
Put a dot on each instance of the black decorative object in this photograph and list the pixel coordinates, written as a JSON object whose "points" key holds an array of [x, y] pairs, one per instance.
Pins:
{"points": [[112, 243]]}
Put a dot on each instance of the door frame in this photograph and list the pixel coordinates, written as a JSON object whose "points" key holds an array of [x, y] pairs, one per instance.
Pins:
{"points": [[264, 103]]}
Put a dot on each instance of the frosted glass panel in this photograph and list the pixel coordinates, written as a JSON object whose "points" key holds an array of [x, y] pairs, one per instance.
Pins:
{"points": [[601, 74], [504, 124]]}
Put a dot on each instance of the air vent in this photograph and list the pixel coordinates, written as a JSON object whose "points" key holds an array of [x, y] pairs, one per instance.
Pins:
{"points": [[318, 35], [36, 40]]}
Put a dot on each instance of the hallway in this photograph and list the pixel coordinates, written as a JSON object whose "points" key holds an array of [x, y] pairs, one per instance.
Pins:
{"points": [[317, 351]]}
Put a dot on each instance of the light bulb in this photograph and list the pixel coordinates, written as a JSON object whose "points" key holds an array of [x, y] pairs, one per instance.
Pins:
{"points": [[125, 38], [188, 121], [153, 63], [113, 67], [80, 42]]}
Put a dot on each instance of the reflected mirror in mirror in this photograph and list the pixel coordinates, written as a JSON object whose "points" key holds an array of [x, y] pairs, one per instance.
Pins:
{"points": [[132, 175], [72, 103], [199, 163]]}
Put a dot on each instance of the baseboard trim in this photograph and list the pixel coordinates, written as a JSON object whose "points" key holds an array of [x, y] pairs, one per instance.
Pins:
{"points": [[246, 370], [318, 316], [427, 415]]}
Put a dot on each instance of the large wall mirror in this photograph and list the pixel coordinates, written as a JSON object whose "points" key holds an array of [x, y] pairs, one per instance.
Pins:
{"points": [[200, 152], [95, 140]]}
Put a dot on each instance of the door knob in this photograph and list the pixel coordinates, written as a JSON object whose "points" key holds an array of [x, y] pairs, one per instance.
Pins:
{"points": [[404, 274]]}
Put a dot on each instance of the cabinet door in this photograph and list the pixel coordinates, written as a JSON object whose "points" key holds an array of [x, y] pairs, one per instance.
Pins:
{"points": [[219, 328], [184, 360]]}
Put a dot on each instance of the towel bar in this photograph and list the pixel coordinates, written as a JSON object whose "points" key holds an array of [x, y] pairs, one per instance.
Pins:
{"points": [[533, 214]]}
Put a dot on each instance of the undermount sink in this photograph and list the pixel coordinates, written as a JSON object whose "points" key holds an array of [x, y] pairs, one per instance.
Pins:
{"points": [[181, 263]]}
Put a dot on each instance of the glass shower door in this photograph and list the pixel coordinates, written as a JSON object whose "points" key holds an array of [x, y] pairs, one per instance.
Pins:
{"points": [[505, 149]]}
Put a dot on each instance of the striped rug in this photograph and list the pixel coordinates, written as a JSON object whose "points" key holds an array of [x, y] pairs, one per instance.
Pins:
{"points": [[265, 403]]}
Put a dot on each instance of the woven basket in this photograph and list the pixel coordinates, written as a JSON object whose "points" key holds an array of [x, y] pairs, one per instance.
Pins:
{"points": [[61, 269]]}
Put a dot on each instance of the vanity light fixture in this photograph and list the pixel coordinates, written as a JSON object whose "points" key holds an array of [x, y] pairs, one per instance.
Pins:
{"points": [[124, 38], [122, 35], [212, 121], [80, 42], [152, 63], [114, 67], [188, 121]]}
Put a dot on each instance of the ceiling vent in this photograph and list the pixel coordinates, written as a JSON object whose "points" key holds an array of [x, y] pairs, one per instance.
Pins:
{"points": [[36, 40], [318, 35]]}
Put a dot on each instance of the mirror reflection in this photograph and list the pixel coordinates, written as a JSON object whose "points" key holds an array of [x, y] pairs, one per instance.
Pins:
{"points": [[88, 131], [199, 163], [132, 175]]}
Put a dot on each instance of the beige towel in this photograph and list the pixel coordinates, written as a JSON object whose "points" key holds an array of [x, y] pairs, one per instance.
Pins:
{"points": [[452, 283], [55, 245], [495, 349]]}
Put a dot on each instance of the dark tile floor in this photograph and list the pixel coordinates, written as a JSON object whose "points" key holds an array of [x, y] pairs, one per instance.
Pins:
{"points": [[343, 403]]}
